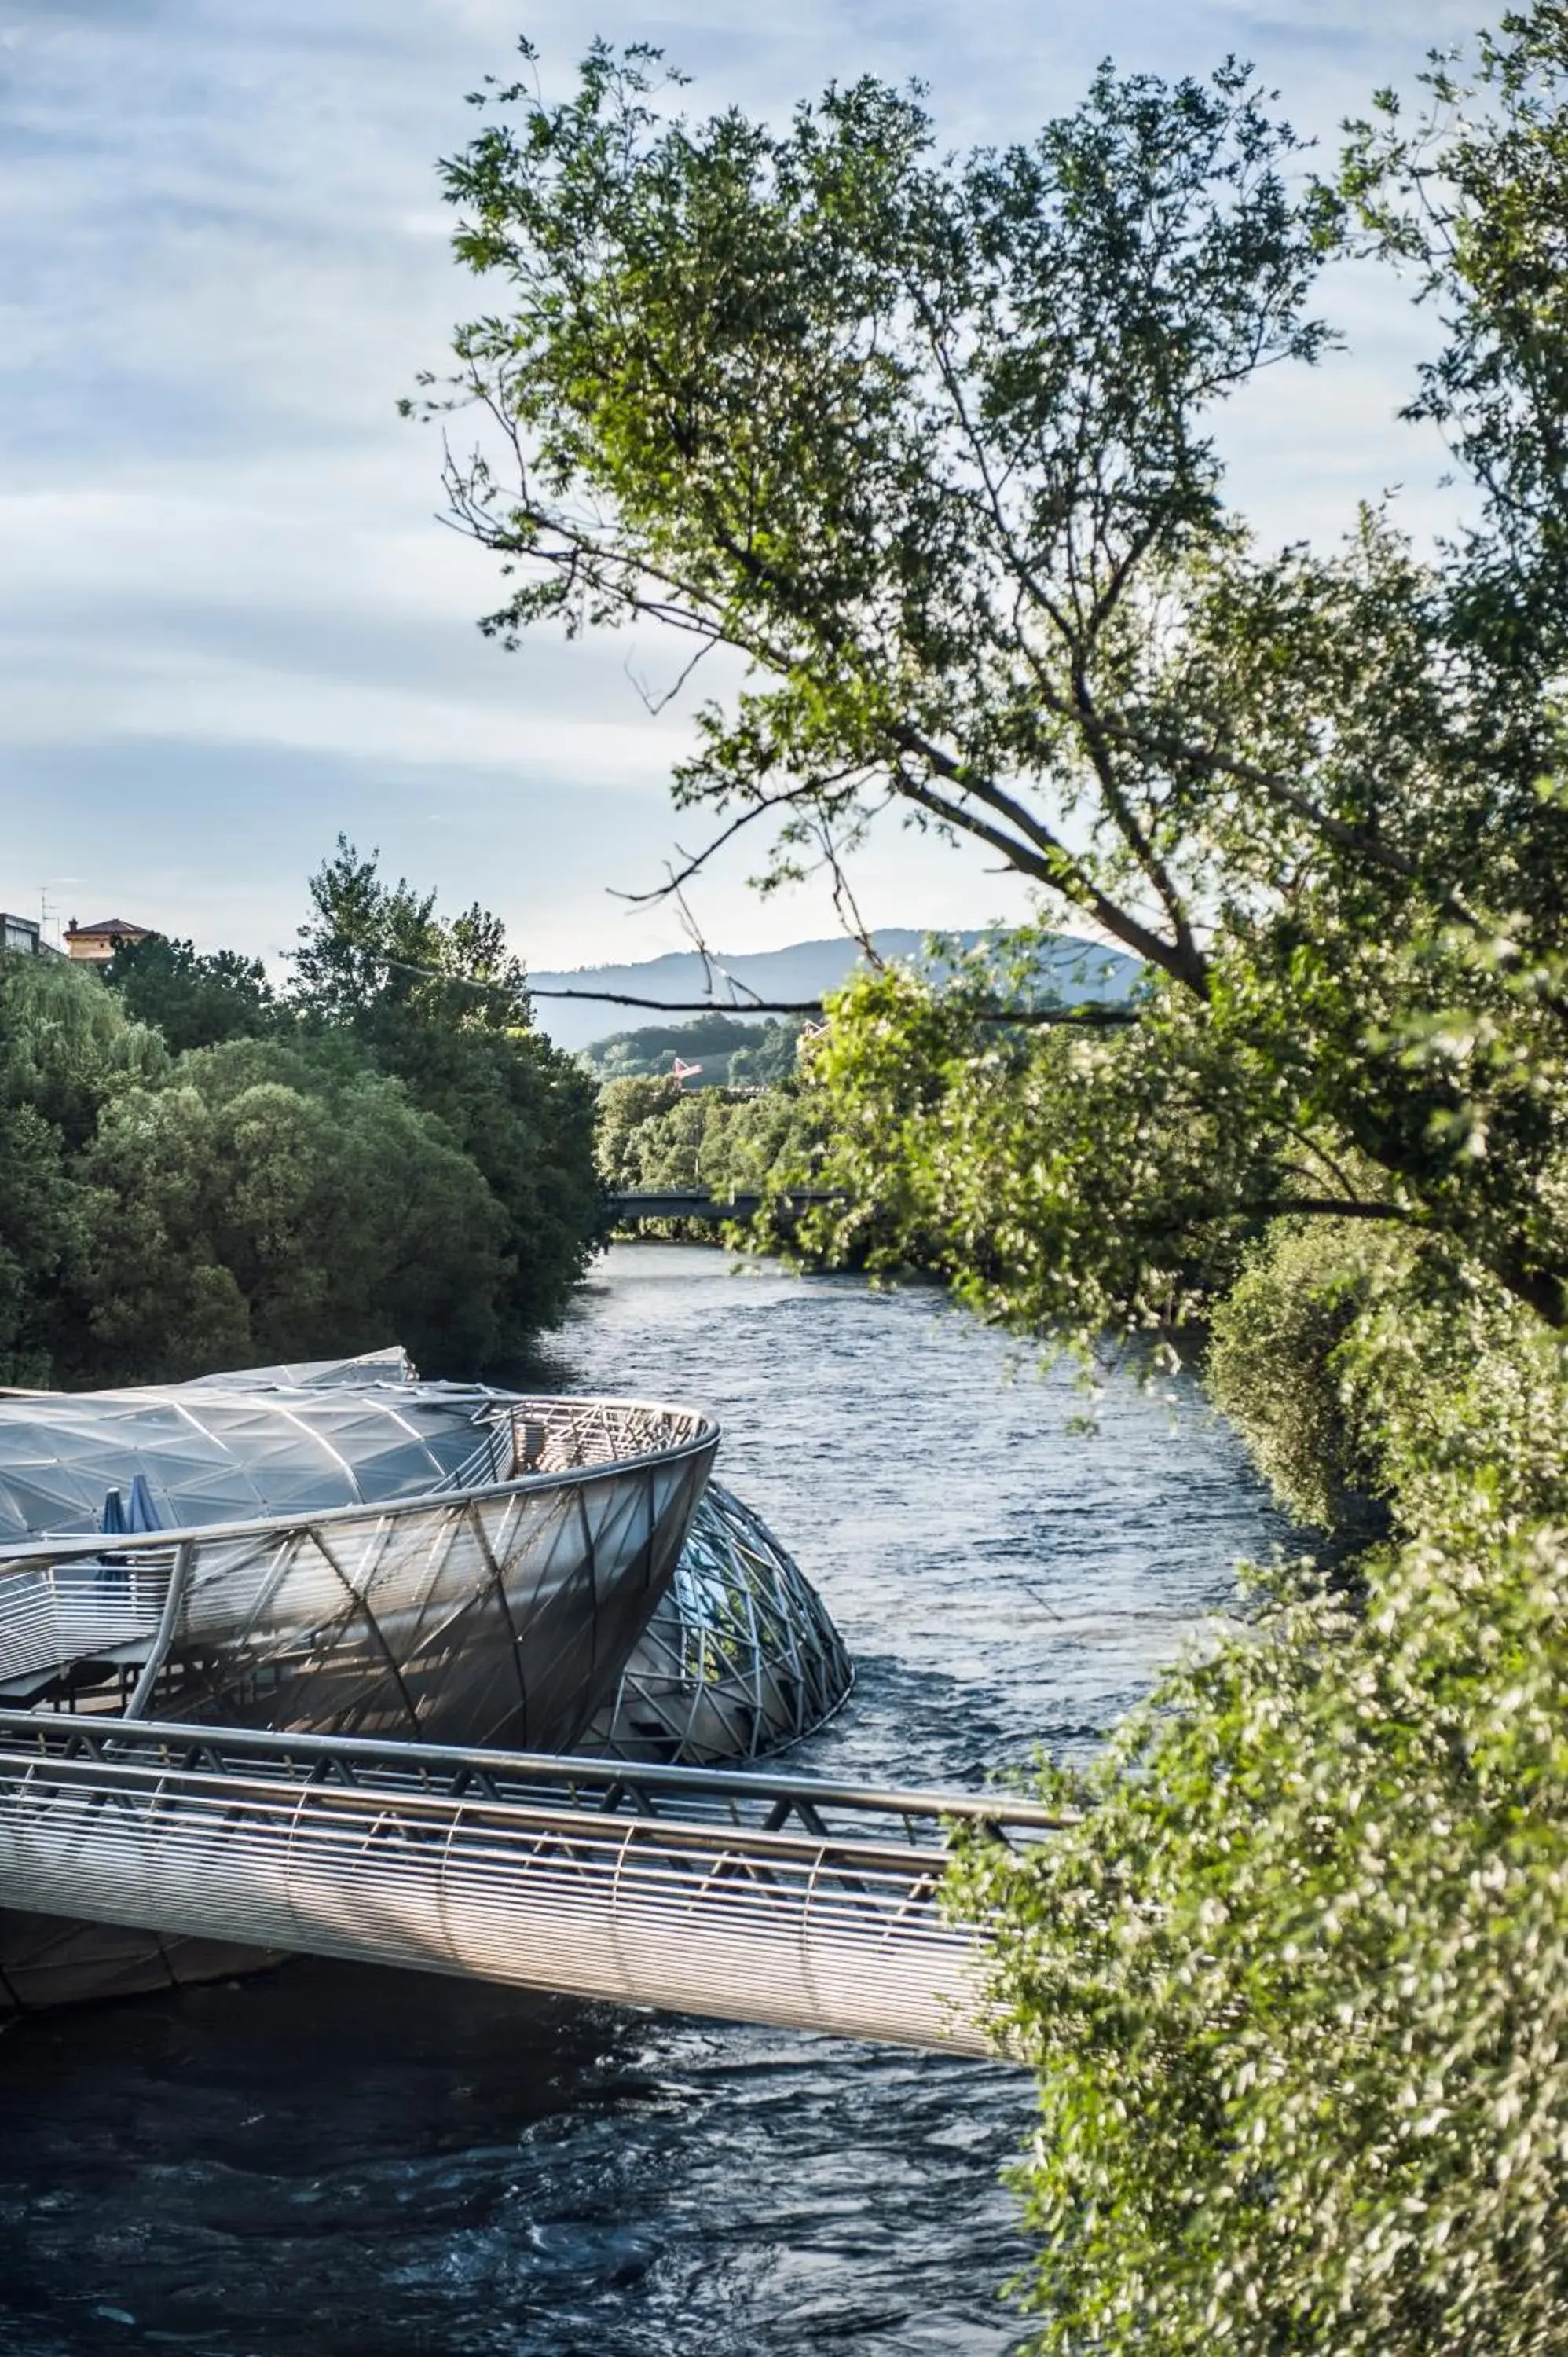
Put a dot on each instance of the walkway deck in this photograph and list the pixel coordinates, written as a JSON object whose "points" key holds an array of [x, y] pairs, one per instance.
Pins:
{"points": [[629, 1205], [753, 1898]]}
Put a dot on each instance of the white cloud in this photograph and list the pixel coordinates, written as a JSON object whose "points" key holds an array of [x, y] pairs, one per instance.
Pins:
{"points": [[224, 258]]}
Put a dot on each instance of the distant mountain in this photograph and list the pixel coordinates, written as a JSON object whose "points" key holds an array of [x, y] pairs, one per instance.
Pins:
{"points": [[1070, 968]]}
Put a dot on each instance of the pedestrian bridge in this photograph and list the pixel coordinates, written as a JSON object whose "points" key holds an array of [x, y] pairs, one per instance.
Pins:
{"points": [[629, 1205], [753, 1898]]}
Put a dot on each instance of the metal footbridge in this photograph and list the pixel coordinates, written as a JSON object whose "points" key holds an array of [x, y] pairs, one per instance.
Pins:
{"points": [[754, 1898], [629, 1205]]}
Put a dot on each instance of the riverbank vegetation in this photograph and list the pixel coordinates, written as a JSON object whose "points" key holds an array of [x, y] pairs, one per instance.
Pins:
{"points": [[197, 1171], [934, 443], [654, 1134], [718, 1050]]}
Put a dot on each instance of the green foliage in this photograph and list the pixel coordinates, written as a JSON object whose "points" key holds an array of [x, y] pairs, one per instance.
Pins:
{"points": [[732, 1053], [194, 999], [1354, 1366], [1473, 200], [442, 1005], [1274, 1366], [990, 1152], [1294, 1990], [249, 1216], [42, 1216], [769, 1059], [66, 1046], [66, 1049], [374, 957], [931, 444], [391, 1156], [654, 1134]]}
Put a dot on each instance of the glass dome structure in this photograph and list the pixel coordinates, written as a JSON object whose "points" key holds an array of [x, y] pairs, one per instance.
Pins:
{"points": [[443, 1562], [740, 1659], [342, 1547]]}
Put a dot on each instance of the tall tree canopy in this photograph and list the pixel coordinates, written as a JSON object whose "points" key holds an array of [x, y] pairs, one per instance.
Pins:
{"points": [[442, 1005], [932, 443], [194, 999]]}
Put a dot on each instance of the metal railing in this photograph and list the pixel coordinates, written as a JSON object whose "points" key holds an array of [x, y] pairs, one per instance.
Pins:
{"points": [[767, 1899]]}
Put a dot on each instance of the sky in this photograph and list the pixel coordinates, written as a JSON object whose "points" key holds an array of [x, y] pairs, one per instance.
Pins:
{"points": [[231, 623]]}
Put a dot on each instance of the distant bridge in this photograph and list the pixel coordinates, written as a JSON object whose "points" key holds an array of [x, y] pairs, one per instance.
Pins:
{"points": [[782, 1899], [630, 1204]]}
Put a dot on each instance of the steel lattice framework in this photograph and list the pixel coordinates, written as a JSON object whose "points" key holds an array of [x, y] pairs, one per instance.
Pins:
{"points": [[428, 1560], [740, 1659], [753, 1898], [497, 1604]]}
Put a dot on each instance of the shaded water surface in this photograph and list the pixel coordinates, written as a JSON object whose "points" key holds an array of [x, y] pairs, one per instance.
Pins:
{"points": [[336, 2159]]}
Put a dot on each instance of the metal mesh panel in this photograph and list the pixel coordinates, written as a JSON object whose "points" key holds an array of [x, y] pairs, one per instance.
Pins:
{"points": [[740, 1659]]}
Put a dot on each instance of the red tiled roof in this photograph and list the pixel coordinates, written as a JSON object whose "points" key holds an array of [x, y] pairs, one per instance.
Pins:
{"points": [[105, 925]]}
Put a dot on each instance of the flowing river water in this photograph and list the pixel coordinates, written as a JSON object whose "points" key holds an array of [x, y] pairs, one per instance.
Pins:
{"points": [[331, 2161]]}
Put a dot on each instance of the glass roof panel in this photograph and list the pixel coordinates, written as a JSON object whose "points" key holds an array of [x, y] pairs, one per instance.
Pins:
{"points": [[214, 1452]]}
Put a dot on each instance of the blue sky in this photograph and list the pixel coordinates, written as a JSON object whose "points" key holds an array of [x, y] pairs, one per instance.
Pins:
{"points": [[229, 623]]}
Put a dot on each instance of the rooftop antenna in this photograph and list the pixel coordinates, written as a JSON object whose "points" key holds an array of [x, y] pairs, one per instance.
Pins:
{"points": [[49, 910]]}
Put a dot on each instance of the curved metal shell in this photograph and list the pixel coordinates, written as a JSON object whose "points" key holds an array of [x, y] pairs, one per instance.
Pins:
{"points": [[496, 1604]]}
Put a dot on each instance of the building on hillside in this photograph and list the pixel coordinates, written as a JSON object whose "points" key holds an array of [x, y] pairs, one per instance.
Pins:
{"points": [[19, 934], [96, 944]]}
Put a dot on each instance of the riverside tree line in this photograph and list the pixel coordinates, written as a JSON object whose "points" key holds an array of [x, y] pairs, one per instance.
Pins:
{"points": [[199, 1171]]}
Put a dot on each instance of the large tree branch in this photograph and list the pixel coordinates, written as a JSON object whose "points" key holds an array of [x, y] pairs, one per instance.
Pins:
{"points": [[1090, 1013], [1033, 848], [1096, 746], [1319, 1207], [1043, 855]]}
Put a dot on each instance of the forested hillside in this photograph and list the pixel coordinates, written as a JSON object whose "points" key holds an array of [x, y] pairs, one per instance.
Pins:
{"points": [[717, 1050]]}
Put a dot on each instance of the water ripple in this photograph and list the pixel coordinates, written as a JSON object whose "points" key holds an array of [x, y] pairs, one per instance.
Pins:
{"points": [[337, 2162]]}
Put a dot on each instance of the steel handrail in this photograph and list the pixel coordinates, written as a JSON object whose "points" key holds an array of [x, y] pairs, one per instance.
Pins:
{"points": [[36, 1554], [998, 1806]]}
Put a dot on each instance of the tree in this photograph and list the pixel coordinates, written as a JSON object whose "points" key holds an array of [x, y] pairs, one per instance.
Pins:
{"points": [[373, 1161], [42, 1214], [654, 1134], [373, 952], [194, 999], [263, 1208], [66, 1051], [767, 1060], [67, 1045], [932, 446], [442, 1005]]}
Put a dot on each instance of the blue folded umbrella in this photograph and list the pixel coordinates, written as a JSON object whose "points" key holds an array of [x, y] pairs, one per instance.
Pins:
{"points": [[121, 1516], [140, 1514]]}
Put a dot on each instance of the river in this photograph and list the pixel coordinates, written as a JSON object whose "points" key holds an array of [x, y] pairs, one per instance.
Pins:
{"points": [[331, 2161]]}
